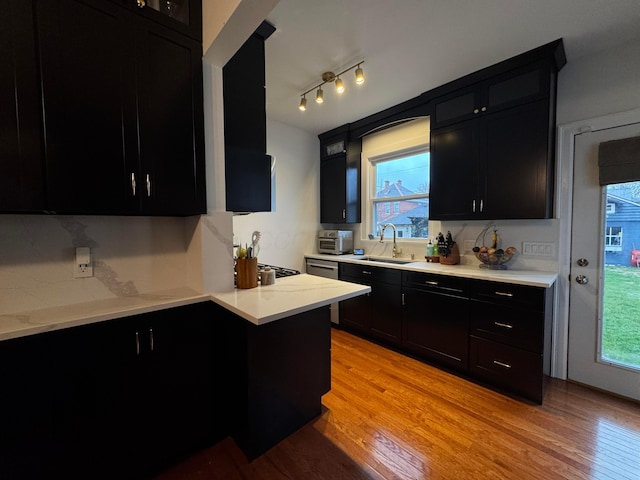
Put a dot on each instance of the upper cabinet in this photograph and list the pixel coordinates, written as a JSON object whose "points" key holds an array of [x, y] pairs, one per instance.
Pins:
{"points": [[492, 141], [21, 174], [339, 177], [247, 166], [184, 16], [123, 112]]}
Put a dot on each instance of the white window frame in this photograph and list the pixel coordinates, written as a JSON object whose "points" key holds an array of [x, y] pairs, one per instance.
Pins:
{"points": [[370, 200], [611, 207], [608, 236]]}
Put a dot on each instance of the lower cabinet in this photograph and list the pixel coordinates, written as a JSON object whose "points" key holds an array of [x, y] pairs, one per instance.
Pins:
{"points": [[378, 313], [27, 407], [435, 319], [278, 373], [129, 396], [498, 334]]}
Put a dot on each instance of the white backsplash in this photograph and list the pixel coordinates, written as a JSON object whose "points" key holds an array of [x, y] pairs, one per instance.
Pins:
{"points": [[130, 255]]}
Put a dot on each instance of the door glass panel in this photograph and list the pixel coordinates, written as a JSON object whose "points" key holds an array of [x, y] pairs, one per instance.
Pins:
{"points": [[516, 88], [620, 332], [178, 9]]}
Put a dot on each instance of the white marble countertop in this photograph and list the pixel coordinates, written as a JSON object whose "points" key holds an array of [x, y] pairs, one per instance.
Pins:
{"points": [[520, 277], [288, 296]]}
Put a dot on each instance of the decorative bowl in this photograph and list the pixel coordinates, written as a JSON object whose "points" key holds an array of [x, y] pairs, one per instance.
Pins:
{"points": [[497, 259]]}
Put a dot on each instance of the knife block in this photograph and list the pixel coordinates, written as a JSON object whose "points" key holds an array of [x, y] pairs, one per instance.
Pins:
{"points": [[247, 272], [453, 258]]}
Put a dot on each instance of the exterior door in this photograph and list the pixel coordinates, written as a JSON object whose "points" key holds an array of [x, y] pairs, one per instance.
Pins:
{"points": [[604, 307]]}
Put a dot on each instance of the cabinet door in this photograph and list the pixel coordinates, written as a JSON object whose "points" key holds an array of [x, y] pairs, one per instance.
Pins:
{"points": [[26, 442], [356, 312], [21, 165], [386, 312], [169, 122], [453, 190], [87, 91], [333, 190], [518, 168], [517, 87], [436, 327], [456, 107], [184, 16]]}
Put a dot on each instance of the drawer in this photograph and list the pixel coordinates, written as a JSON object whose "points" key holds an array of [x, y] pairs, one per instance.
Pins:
{"points": [[506, 367], [436, 283], [370, 272], [509, 294], [518, 327]]}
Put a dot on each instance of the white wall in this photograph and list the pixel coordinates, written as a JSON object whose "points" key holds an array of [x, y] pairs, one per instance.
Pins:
{"points": [[601, 84], [290, 231]]}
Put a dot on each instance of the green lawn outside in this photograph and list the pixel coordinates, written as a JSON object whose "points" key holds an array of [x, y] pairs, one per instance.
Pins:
{"points": [[621, 315]]}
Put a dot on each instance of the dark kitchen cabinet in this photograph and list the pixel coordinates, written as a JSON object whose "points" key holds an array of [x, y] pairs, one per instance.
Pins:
{"points": [[184, 16], [21, 162], [492, 140], [512, 88], [339, 177], [134, 394], [510, 342], [379, 313], [247, 166], [277, 374], [26, 402], [123, 112], [435, 318], [494, 167]]}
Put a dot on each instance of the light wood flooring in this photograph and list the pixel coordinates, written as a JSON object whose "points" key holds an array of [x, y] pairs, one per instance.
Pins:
{"points": [[391, 417]]}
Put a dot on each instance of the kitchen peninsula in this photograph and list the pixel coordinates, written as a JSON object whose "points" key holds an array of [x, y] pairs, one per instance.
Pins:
{"points": [[140, 381]]}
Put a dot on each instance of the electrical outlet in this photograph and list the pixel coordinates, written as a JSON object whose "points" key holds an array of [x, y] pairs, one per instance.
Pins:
{"points": [[538, 249], [83, 267]]}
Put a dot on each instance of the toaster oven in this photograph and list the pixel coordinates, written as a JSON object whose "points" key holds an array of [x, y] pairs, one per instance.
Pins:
{"points": [[335, 242]]}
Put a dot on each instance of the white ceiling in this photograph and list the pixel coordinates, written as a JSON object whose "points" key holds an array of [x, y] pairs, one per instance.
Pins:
{"points": [[411, 46]]}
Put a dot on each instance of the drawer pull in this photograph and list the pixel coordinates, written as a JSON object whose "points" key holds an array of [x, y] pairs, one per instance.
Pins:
{"points": [[137, 344], [431, 282], [365, 272], [501, 364], [503, 325], [451, 289], [504, 294]]}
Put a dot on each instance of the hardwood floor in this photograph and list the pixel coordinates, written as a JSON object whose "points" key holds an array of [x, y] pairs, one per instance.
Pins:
{"points": [[392, 417]]}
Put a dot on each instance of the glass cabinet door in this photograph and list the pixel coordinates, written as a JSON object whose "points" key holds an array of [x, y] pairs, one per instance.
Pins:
{"points": [[177, 9]]}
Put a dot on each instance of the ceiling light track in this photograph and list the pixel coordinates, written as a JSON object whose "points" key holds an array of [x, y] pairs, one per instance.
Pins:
{"points": [[330, 77]]}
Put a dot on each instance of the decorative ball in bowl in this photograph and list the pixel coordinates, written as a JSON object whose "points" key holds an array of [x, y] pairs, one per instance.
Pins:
{"points": [[494, 257]]}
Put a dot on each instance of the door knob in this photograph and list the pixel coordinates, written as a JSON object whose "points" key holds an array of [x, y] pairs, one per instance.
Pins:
{"points": [[582, 262], [582, 279]]}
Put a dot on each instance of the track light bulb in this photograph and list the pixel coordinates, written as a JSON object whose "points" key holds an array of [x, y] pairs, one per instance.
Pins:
{"points": [[359, 76], [319, 95], [339, 85], [303, 104]]}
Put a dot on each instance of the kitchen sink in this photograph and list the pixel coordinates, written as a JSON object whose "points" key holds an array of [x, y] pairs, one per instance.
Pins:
{"points": [[400, 261]]}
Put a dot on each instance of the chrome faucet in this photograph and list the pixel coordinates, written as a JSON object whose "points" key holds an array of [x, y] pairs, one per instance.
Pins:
{"points": [[396, 250]]}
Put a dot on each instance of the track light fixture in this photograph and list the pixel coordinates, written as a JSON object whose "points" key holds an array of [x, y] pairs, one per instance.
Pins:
{"points": [[328, 77]]}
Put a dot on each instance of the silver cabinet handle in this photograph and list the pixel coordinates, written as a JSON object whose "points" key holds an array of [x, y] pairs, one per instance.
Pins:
{"points": [[504, 294], [344, 213], [430, 282], [501, 364], [403, 299], [151, 343], [137, 343], [503, 325], [484, 109], [473, 206], [148, 185], [366, 272], [475, 110], [133, 183], [481, 205], [141, 3]]}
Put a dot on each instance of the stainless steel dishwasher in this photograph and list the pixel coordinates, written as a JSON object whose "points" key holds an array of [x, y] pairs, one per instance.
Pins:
{"points": [[327, 269]]}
